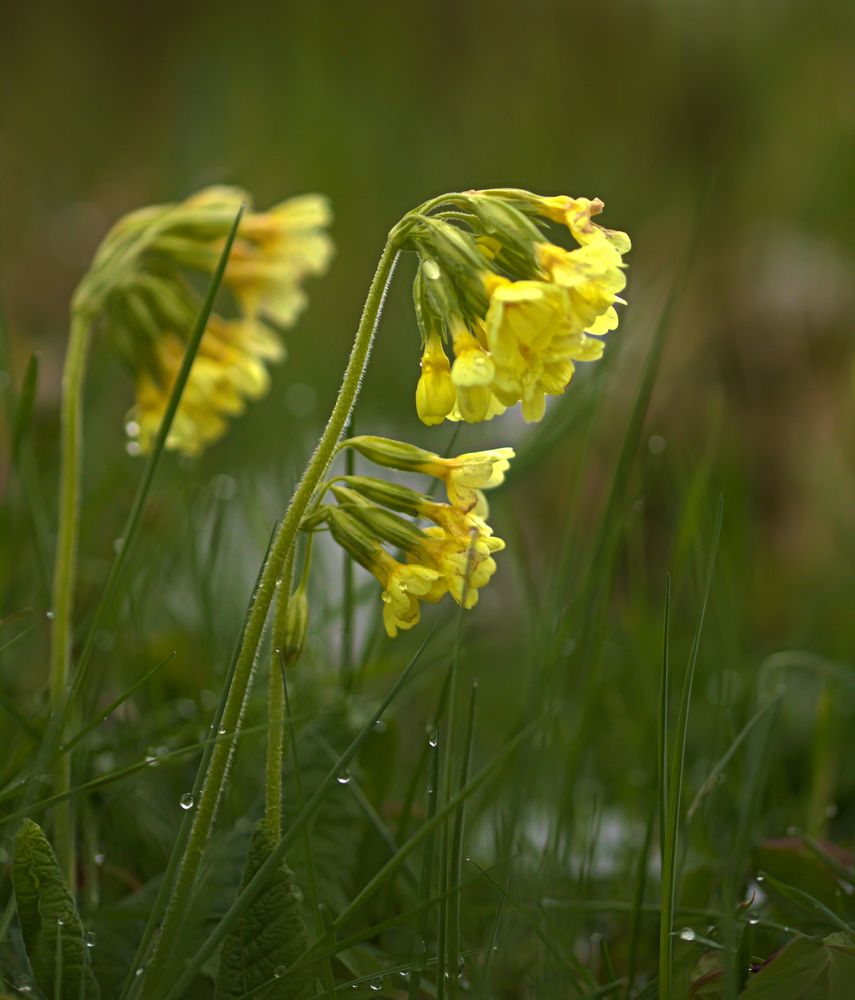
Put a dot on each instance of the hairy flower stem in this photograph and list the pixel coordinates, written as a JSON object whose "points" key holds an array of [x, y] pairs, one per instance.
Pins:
{"points": [[65, 563], [276, 705], [180, 898]]}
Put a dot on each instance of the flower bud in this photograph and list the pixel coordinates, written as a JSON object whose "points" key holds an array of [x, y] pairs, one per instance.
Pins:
{"points": [[392, 454], [391, 495], [381, 523], [296, 626]]}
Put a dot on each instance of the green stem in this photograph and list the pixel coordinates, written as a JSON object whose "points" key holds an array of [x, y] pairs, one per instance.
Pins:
{"points": [[283, 542], [73, 376], [347, 606], [276, 706]]}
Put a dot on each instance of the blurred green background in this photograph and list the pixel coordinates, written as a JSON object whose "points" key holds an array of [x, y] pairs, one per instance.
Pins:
{"points": [[381, 105], [652, 106]]}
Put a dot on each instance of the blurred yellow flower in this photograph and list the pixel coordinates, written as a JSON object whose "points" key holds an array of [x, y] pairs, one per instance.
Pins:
{"points": [[228, 369], [277, 250], [139, 289]]}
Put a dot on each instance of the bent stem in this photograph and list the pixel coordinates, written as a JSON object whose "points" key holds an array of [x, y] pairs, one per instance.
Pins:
{"points": [[180, 898], [73, 376]]}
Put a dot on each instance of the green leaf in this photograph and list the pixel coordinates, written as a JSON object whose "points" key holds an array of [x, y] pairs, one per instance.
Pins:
{"points": [[50, 924], [808, 970], [24, 409], [269, 936]]}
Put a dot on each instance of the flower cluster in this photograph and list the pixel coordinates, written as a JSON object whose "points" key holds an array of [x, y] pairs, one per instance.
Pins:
{"points": [[451, 554], [141, 289], [517, 310]]}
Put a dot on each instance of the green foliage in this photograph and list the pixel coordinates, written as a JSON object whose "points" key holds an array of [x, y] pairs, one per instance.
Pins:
{"points": [[268, 937], [808, 970], [50, 924]]}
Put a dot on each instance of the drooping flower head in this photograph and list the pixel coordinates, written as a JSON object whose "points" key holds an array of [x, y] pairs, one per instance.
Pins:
{"points": [[142, 290], [516, 310], [444, 548]]}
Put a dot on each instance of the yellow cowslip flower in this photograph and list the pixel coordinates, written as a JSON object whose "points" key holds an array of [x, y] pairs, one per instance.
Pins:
{"points": [[453, 555], [464, 560], [534, 337], [543, 306], [274, 252], [467, 475], [404, 584], [472, 374], [228, 369], [139, 291], [464, 476], [435, 393]]}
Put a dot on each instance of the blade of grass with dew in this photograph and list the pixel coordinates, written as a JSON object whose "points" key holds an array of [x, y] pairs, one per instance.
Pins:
{"points": [[113, 776], [419, 957], [298, 825], [638, 901], [314, 903], [492, 948], [456, 855], [375, 821], [133, 982], [674, 765], [756, 760], [428, 746]]}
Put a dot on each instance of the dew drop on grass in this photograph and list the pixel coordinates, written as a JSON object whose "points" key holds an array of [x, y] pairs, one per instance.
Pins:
{"points": [[376, 985], [433, 738], [50, 614], [279, 971], [343, 776], [222, 730], [186, 801], [404, 974], [753, 919], [687, 934], [380, 727], [90, 939], [99, 859]]}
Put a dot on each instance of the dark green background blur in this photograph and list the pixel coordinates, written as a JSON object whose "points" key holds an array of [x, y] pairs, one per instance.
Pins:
{"points": [[380, 105]]}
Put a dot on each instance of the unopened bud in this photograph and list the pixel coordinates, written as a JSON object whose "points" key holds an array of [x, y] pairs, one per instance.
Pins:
{"points": [[296, 626], [390, 495], [381, 523], [392, 454]]}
